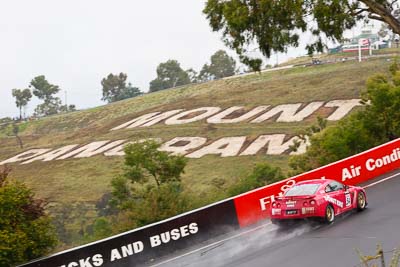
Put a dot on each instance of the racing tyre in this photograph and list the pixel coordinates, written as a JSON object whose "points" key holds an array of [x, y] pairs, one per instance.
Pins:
{"points": [[329, 214], [361, 201]]}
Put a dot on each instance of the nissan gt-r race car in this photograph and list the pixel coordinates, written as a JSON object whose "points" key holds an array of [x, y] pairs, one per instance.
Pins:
{"points": [[322, 198]]}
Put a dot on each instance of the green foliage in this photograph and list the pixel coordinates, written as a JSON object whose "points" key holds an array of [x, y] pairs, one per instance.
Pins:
{"points": [[347, 138], [22, 97], [115, 88], [26, 232], [382, 118], [45, 91], [261, 175], [169, 74], [305, 134], [159, 203], [129, 92], [221, 66], [378, 123], [193, 75], [273, 26], [135, 201], [50, 106], [69, 108], [101, 228], [394, 67], [42, 89], [144, 160]]}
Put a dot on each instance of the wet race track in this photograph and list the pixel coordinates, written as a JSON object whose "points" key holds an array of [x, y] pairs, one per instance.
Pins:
{"points": [[310, 245]]}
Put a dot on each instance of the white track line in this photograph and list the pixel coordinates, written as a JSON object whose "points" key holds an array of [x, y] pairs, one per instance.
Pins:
{"points": [[383, 180], [213, 244]]}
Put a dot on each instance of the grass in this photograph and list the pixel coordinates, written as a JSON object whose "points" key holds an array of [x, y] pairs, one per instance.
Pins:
{"points": [[85, 181]]}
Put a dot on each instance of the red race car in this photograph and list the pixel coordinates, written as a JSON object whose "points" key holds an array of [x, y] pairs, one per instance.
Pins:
{"points": [[322, 198]]}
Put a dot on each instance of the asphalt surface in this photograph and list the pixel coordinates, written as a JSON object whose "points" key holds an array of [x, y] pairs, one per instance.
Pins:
{"points": [[312, 245]]}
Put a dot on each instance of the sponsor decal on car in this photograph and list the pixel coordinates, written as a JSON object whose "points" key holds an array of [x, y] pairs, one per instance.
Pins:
{"points": [[348, 199], [307, 210], [290, 203], [334, 201], [276, 211]]}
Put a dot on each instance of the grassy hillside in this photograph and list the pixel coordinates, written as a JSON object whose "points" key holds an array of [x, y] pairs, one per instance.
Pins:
{"points": [[80, 183], [340, 56]]}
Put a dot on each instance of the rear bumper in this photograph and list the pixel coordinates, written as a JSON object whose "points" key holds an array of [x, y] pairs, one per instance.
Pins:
{"points": [[282, 214]]}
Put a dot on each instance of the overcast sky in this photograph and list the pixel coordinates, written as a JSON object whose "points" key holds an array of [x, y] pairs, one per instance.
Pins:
{"points": [[77, 43]]}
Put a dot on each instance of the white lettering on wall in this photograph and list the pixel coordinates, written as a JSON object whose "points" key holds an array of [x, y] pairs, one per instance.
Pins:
{"points": [[219, 118], [205, 113], [343, 108], [174, 234], [225, 147], [189, 143]]}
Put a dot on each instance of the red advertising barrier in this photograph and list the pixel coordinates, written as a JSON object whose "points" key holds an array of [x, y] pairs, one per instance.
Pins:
{"points": [[252, 206]]}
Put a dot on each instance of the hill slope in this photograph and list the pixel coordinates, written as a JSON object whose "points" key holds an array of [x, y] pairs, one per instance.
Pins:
{"points": [[80, 183]]}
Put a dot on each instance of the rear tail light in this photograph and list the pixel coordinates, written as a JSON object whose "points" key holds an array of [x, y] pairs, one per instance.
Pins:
{"points": [[305, 204], [313, 202], [276, 204]]}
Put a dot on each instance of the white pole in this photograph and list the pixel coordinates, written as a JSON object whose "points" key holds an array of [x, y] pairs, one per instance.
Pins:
{"points": [[370, 47], [359, 52]]}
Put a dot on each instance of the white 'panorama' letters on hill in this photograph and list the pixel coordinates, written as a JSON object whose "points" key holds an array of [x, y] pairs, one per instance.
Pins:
{"points": [[191, 147]]}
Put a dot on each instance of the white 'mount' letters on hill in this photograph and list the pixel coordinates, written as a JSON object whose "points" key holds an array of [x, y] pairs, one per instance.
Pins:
{"points": [[284, 113], [197, 147]]}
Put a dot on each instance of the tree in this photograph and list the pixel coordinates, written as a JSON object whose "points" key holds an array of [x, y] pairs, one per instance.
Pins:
{"points": [[129, 92], [262, 174], [115, 88], [169, 74], [45, 91], [381, 118], [377, 123], [42, 89], [67, 108], [143, 160], [150, 188], [50, 106], [273, 26], [26, 232], [22, 97], [221, 66], [193, 75], [15, 131]]}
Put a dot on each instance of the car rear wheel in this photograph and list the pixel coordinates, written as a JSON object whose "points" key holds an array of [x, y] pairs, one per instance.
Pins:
{"points": [[361, 201], [329, 214]]}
